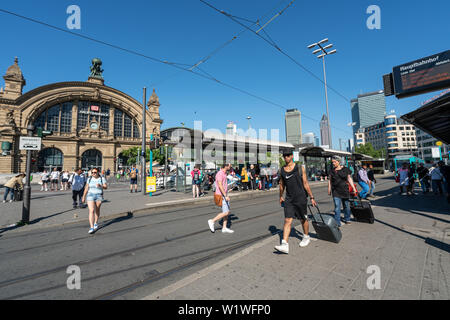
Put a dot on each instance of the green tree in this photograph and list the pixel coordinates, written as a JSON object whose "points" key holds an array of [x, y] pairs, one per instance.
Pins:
{"points": [[369, 150], [133, 153]]}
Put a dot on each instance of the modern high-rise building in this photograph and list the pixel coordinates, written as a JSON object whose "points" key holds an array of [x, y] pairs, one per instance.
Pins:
{"points": [[425, 144], [231, 128], [393, 135], [293, 120], [316, 141], [324, 130], [368, 109], [308, 137]]}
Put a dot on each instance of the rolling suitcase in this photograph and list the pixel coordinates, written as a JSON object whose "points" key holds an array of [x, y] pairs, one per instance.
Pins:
{"points": [[362, 210], [326, 227], [18, 195]]}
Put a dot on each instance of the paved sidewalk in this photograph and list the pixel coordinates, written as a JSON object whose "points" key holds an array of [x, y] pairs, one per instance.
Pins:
{"points": [[409, 242]]}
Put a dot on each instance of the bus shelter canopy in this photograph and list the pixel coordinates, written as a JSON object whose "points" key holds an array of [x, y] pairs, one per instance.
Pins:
{"points": [[319, 152], [433, 118]]}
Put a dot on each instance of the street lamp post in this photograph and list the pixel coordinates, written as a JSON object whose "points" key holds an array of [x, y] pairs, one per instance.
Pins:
{"points": [[143, 149], [27, 188], [248, 118], [324, 51]]}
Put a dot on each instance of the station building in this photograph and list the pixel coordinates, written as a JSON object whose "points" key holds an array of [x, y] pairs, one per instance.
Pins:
{"points": [[91, 123]]}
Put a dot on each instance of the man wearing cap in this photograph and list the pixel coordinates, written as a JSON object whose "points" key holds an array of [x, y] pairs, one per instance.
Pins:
{"points": [[293, 180], [337, 185]]}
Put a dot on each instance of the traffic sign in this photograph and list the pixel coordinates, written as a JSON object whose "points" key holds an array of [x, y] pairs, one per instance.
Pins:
{"points": [[151, 184], [30, 143]]}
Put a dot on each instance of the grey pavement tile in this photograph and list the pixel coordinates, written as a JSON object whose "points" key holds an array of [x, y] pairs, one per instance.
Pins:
{"points": [[408, 273], [259, 292], [350, 266], [400, 291], [313, 296], [224, 292], [334, 286], [352, 296], [433, 290], [359, 287], [189, 292]]}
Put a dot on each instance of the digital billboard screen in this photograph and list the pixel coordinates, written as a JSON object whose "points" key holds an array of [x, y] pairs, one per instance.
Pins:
{"points": [[423, 75]]}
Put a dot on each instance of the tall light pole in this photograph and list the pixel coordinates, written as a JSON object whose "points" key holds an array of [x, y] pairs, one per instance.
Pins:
{"points": [[143, 149], [248, 118], [324, 51]]}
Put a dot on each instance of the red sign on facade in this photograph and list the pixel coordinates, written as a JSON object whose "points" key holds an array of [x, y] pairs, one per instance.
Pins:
{"points": [[95, 108]]}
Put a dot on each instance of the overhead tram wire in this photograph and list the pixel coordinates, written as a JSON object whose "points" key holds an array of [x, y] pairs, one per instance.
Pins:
{"points": [[172, 64], [215, 51], [274, 45]]}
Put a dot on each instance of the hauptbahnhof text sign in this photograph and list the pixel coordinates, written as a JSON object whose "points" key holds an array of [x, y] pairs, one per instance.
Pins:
{"points": [[421, 76]]}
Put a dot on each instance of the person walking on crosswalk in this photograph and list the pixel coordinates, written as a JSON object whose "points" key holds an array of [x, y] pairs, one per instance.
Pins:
{"points": [[293, 180]]}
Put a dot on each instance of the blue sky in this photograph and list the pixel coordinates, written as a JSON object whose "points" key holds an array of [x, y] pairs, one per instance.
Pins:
{"points": [[184, 31]]}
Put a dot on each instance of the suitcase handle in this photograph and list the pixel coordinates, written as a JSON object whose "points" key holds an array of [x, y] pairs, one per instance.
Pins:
{"points": [[312, 214]]}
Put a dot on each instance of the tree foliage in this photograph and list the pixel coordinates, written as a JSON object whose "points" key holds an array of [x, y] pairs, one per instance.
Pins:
{"points": [[369, 150], [132, 154]]}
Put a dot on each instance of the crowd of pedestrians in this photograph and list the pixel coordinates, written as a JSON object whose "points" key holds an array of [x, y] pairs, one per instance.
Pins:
{"points": [[435, 178]]}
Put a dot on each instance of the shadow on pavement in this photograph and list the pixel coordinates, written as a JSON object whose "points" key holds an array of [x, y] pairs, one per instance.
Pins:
{"points": [[3, 230], [428, 202], [431, 241], [116, 220]]}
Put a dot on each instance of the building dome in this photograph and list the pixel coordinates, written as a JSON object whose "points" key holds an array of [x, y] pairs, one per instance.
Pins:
{"points": [[154, 100], [14, 72]]}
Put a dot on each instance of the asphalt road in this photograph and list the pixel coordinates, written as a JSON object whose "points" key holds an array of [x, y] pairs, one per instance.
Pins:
{"points": [[131, 257]]}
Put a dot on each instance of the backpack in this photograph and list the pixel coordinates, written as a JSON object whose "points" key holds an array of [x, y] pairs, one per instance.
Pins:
{"points": [[133, 174], [101, 181]]}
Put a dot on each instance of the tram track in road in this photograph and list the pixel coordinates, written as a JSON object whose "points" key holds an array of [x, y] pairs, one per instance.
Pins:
{"points": [[41, 274], [157, 276], [132, 228]]}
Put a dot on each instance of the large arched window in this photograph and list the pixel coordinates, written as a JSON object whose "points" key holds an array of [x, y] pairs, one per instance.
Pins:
{"points": [[88, 111], [91, 158], [57, 118], [50, 158]]}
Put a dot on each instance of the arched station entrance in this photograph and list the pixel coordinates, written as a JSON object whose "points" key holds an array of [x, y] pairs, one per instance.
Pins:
{"points": [[91, 158], [50, 158]]}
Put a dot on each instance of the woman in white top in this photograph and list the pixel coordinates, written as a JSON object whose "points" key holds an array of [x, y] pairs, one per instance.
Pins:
{"points": [[54, 177], [93, 193], [64, 180], [45, 176]]}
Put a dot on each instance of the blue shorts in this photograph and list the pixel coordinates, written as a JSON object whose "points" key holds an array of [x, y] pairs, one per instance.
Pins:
{"points": [[94, 197], [225, 205]]}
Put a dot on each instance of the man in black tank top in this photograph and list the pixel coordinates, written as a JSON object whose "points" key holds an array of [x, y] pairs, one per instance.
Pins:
{"points": [[293, 179]]}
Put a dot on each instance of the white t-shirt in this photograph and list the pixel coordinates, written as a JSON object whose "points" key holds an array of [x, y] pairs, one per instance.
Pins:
{"points": [[65, 175], [44, 176], [54, 175]]}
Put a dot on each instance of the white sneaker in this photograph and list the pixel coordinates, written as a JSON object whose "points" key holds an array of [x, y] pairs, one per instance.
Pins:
{"points": [[4, 201], [226, 230], [305, 241], [211, 226], [403, 194], [284, 247], [10, 201]]}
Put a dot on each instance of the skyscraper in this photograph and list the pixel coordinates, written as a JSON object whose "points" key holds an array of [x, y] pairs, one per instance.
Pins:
{"points": [[324, 130], [308, 137], [293, 122], [368, 109]]}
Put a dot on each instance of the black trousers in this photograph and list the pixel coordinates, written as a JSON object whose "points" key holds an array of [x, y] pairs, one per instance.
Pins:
{"points": [[253, 183], [76, 194]]}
